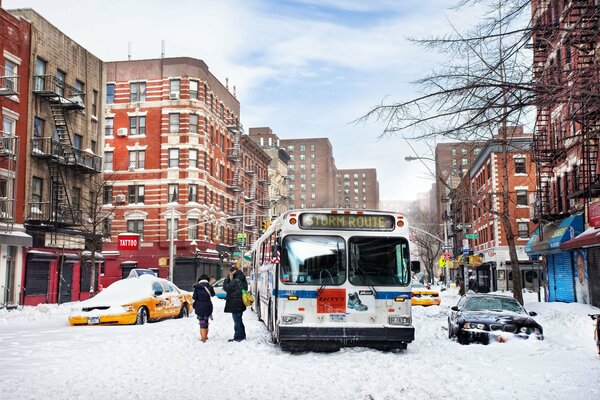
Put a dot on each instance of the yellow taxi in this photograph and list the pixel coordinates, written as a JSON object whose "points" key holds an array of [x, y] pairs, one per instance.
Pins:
{"points": [[424, 296], [133, 300]]}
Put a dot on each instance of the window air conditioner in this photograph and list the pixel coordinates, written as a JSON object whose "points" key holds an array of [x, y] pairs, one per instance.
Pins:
{"points": [[122, 131], [174, 96], [120, 199], [131, 169]]}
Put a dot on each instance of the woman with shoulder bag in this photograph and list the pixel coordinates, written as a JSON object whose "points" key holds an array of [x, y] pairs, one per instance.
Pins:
{"points": [[203, 306], [233, 286]]}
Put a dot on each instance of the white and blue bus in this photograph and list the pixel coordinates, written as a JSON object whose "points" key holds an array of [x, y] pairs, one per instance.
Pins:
{"points": [[323, 279]]}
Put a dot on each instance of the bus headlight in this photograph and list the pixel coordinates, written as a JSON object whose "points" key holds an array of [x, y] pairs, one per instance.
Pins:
{"points": [[399, 320], [292, 319]]}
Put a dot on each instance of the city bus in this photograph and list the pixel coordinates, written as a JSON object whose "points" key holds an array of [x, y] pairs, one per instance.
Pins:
{"points": [[325, 279]]}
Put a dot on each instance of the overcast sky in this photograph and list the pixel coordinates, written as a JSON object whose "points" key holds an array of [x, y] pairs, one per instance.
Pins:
{"points": [[305, 68]]}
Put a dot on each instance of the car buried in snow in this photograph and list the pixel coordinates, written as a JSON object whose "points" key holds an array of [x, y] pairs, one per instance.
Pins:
{"points": [[133, 300], [486, 318], [424, 296]]}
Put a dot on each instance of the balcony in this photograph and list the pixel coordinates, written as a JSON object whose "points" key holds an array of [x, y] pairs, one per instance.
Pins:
{"points": [[48, 148], [8, 144], [57, 91], [9, 85], [41, 212]]}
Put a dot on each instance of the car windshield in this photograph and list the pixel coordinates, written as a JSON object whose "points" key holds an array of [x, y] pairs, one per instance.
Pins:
{"points": [[379, 261], [493, 304], [313, 260]]}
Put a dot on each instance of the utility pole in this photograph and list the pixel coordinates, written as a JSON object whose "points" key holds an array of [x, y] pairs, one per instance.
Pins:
{"points": [[171, 244], [446, 270]]}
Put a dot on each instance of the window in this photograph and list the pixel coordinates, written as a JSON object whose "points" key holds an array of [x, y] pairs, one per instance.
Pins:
{"points": [[110, 93], [36, 192], [38, 127], [194, 90], [193, 158], [173, 193], [137, 125], [175, 89], [463, 152], [10, 71], [77, 141], [137, 159], [302, 148], [520, 165], [453, 151], [136, 226], [60, 82], [193, 123], [523, 229], [138, 91], [312, 147], [109, 126], [173, 158], [76, 198], [465, 161], [290, 147], [193, 193], [108, 161], [172, 229], [107, 194], [94, 102], [302, 157], [136, 194], [9, 126], [521, 197], [40, 72], [107, 227], [93, 146], [80, 87], [174, 123], [192, 229]]}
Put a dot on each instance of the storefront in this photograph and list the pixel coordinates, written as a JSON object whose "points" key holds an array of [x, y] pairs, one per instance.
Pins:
{"points": [[559, 265]]}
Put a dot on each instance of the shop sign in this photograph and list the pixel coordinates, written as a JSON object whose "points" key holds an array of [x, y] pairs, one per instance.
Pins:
{"points": [[594, 214], [128, 241]]}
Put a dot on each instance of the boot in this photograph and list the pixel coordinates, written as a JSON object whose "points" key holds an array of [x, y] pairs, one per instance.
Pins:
{"points": [[201, 335], [204, 334]]}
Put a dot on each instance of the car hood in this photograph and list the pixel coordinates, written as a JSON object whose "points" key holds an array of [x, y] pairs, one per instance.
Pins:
{"points": [[498, 318]]}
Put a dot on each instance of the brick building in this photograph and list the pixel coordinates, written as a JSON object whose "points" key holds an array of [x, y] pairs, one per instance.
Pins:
{"points": [[358, 188], [15, 36], [312, 171], [173, 144], [476, 203], [279, 188], [566, 71], [64, 121]]}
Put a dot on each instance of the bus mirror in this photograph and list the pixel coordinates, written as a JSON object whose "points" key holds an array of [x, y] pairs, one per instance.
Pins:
{"points": [[415, 266]]}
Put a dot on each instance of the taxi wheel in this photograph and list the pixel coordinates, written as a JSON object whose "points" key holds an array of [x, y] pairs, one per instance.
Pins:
{"points": [[142, 316]]}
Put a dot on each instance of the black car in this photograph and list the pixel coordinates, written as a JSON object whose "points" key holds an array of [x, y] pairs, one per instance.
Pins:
{"points": [[486, 317]]}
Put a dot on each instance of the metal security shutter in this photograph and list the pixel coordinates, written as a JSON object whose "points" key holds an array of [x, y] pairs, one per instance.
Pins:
{"points": [[563, 277], [593, 268], [551, 279], [37, 276], [184, 275], [85, 279], [65, 283]]}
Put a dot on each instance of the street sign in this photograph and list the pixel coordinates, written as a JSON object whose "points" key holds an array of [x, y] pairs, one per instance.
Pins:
{"points": [[472, 236], [446, 256], [466, 252]]}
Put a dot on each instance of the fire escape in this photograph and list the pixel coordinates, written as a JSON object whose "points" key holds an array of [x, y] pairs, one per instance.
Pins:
{"points": [[63, 160], [573, 85], [236, 130], [9, 157]]}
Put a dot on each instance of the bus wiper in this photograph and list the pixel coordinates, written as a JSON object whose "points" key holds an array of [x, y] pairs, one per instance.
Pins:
{"points": [[323, 285], [363, 274]]}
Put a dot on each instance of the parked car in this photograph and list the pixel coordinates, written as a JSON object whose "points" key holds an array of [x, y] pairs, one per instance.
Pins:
{"points": [[488, 317], [218, 286], [134, 300], [137, 272], [424, 296]]}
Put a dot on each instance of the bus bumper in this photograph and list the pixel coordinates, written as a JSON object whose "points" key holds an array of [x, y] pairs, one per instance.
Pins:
{"points": [[326, 338]]}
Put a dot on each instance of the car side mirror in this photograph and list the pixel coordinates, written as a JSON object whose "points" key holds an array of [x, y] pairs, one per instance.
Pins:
{"points": [[157, 293], [454, 308], [532, 313]]}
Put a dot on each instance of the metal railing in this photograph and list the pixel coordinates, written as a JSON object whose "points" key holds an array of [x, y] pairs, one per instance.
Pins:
{"points": [[68, 155], [42, 211], [51, 86], [9, 85]]}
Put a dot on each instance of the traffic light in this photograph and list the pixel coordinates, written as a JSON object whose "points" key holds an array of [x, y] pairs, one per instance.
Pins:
{"points": [[264, 225]]}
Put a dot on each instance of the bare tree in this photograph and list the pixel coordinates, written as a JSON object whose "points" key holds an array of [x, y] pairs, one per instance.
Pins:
{"points": [[426, 238], [486, 87]]}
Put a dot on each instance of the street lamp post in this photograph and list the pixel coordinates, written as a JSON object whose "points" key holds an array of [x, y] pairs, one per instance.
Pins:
{"points": [[171, 244]]}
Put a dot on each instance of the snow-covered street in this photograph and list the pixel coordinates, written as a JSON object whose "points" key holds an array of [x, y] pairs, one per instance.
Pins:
{"points": [[44, 358]]}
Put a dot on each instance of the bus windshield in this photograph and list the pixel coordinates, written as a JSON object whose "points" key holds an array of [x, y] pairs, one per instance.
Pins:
{"points": [[379, 261], [313, 260]]}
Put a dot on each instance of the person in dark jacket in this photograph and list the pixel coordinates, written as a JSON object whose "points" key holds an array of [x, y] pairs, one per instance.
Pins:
{"points": [[233, 286], [203, 306]]}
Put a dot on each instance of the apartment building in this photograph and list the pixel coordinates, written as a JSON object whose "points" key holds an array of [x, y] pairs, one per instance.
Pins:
{"points": [[62, 164], [15, 36], [279, 188], [566, 72], [358, 188], [174, 151], [312, 172]]}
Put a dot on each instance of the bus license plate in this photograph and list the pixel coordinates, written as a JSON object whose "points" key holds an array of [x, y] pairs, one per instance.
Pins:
{"points": [[93, 320], [337, 317]]}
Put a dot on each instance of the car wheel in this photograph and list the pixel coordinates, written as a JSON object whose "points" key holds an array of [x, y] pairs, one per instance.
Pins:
{"points": [[463, 338], [450, 335], [142, 316]]}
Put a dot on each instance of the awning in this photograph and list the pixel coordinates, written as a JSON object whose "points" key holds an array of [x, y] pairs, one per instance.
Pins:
{"points": [[16, 239], [553, 234], [591, 237]]}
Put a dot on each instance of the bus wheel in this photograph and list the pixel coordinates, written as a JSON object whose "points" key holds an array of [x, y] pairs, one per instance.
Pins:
{"points": [[271, 325], [258, 307]]}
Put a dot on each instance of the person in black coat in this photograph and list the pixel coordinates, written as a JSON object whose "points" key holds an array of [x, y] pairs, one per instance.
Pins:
{"points": [[233, 286], [203, 306]]}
